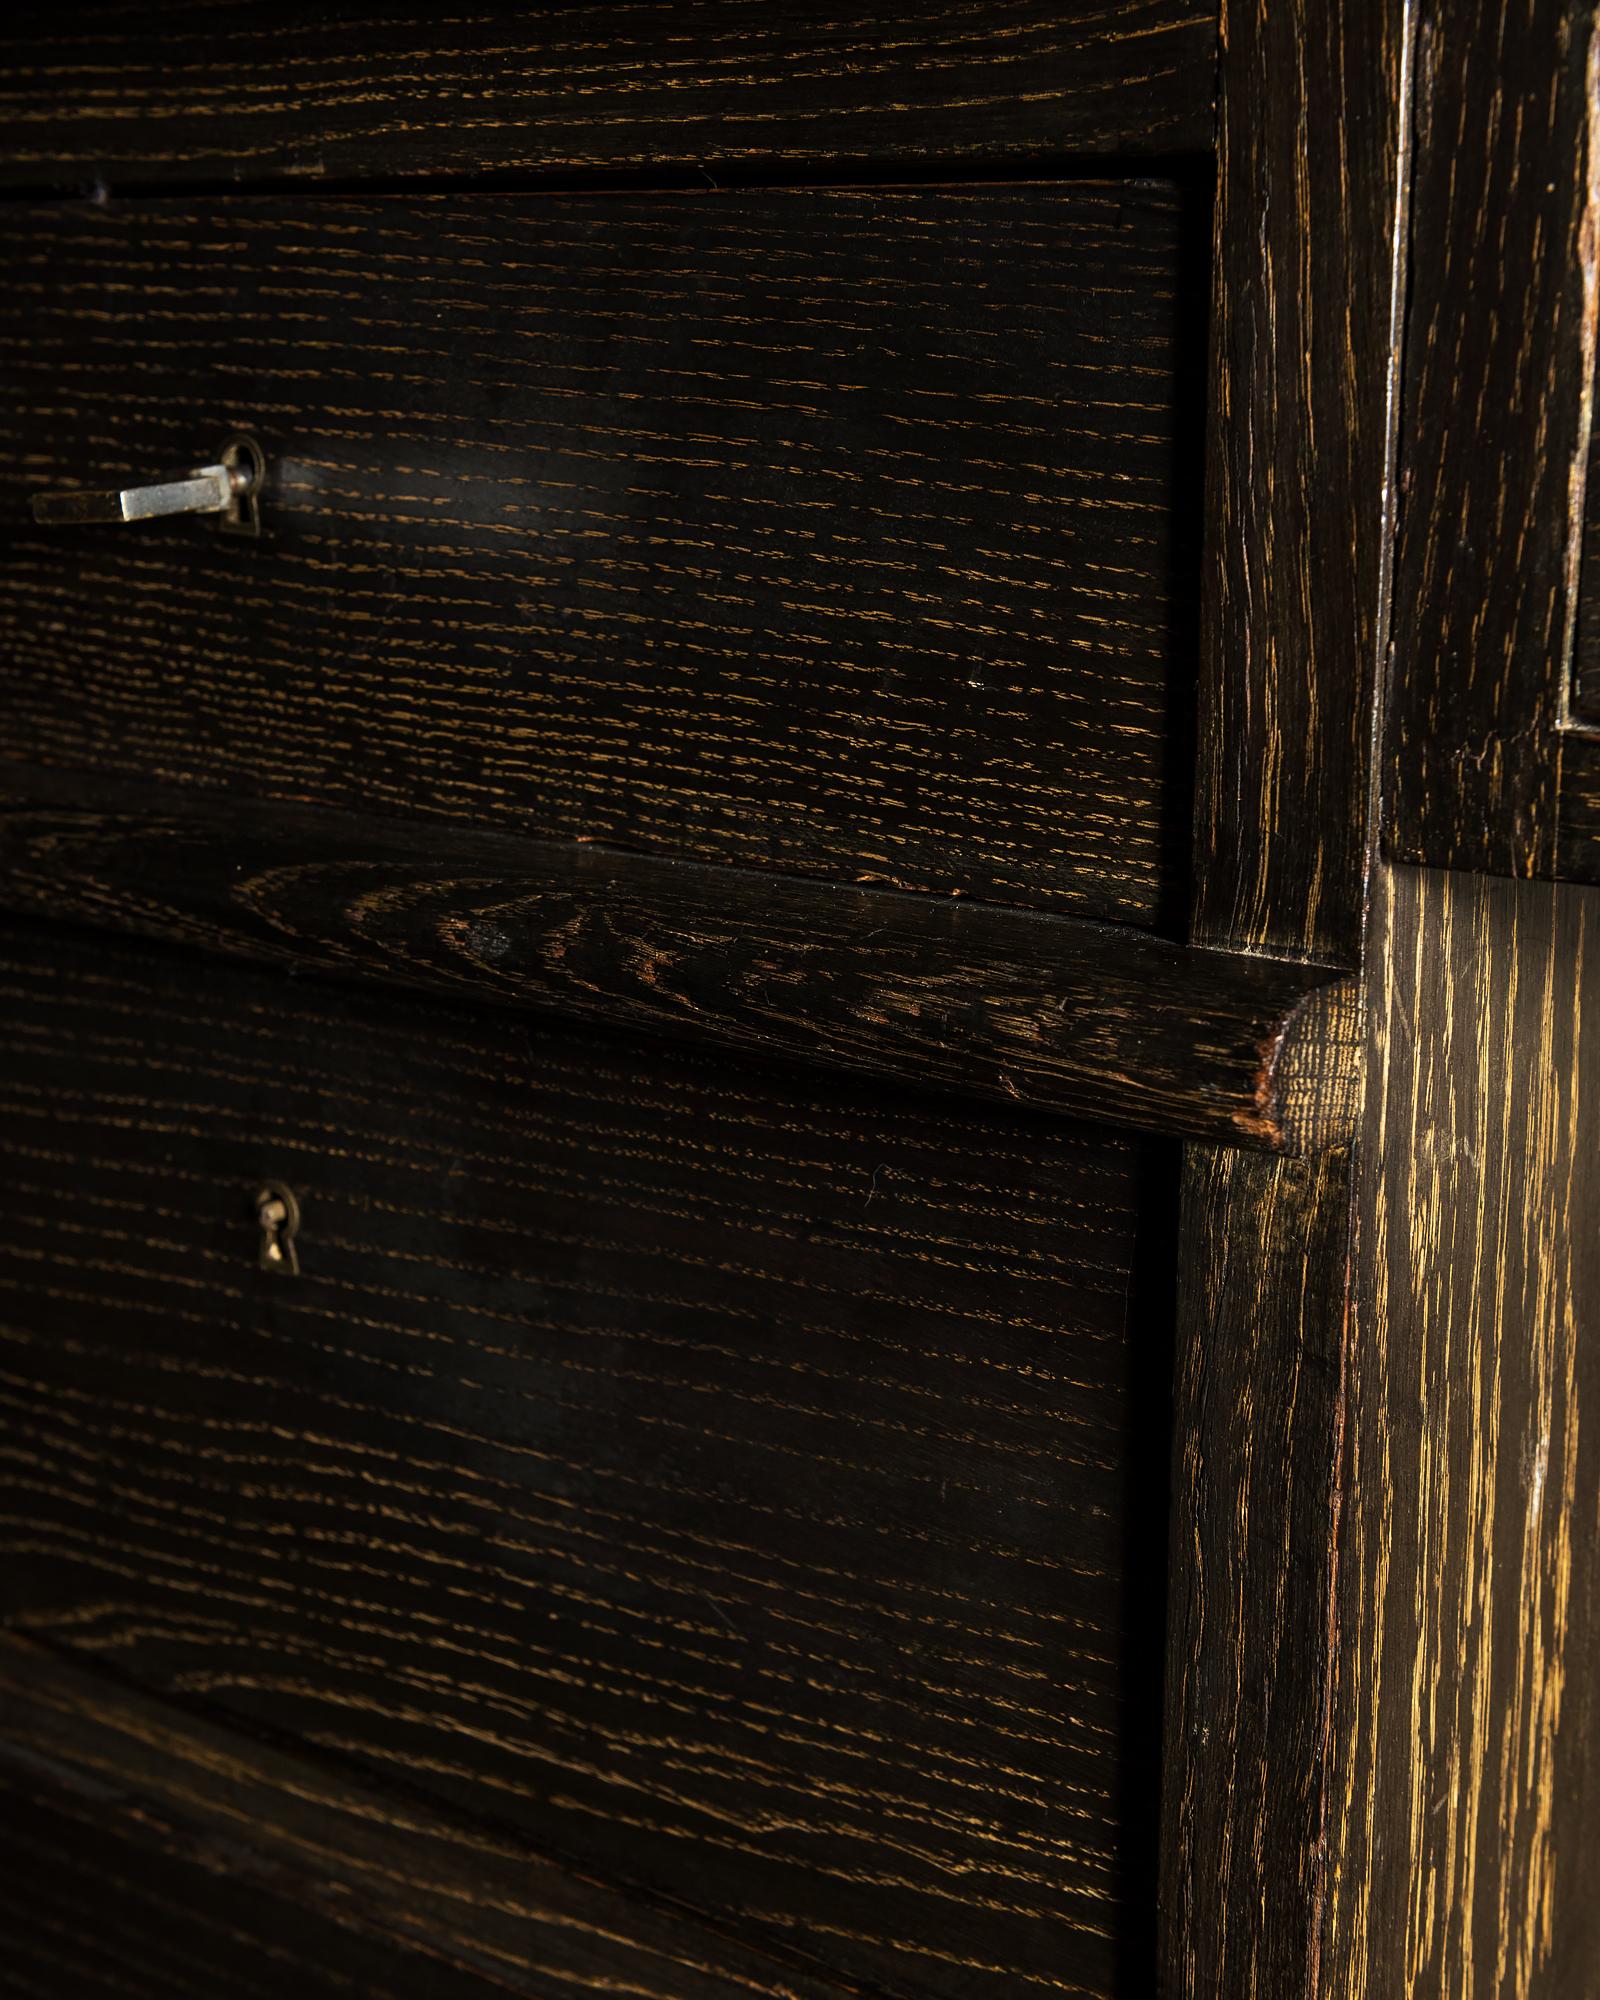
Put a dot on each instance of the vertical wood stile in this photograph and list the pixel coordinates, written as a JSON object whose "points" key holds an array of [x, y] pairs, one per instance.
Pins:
{"points": [[1305, 358], [1465, 1782], [1503, 298]]}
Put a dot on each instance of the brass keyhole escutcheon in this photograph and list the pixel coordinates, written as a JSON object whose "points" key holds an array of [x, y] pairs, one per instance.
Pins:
{"points": [[278, 1214]]}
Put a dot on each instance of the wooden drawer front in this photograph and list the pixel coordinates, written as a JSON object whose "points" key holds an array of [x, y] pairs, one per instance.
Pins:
{"points": [[185, 1841], [285, 90], [830, 531], [87, 1912], [722, 1475]]}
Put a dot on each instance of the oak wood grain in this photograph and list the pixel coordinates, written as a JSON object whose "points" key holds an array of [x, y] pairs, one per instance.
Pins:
{"points": [[93, 1907], [1585, 702], [826, 531], [1500, 346], [1308, 282], [1382, 1739], [256, 93], [1053, 1013], [330, 1880], [733, 1480], [1465, 1836], [1577, 855], [1257, 1412]]}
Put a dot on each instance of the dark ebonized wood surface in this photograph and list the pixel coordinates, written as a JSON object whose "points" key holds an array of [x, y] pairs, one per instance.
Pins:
{"points": [[1585, 703], [1499, 345], [101, 1905], [1578, 834], [1053, 1013], [149, 1850], [1383, 1738], [1264, 1264], [1308, 279], [826, 531], [1309, 283], [716, 1522], [1465, 1729], [746, 1483], [146, 95]]}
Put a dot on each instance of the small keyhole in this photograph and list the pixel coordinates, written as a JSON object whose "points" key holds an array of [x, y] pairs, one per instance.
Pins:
{"points": [[278, 1214], [247, 469]]}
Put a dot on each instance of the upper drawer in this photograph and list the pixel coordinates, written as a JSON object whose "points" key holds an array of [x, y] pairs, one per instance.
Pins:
{"points": [[831, 531]]}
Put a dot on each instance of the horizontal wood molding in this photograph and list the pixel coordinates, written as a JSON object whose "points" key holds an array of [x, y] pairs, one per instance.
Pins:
{"points": [[470, 1902], [1089, 1020], [257, 93]]}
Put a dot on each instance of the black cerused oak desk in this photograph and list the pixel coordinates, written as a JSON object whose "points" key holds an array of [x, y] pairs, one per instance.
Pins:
{"points": [[799, 1164]]}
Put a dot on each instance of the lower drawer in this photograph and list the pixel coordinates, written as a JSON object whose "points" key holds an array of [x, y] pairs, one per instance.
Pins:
{"points": [[734, 1478], [92, 1913]]}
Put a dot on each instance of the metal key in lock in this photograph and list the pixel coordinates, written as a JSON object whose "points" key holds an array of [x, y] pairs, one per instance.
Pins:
{"points": [[230, 490], [278, 1214]]}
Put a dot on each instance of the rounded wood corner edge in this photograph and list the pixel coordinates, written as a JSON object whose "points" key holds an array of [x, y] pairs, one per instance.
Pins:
{"points": [[1308, 1093]]}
